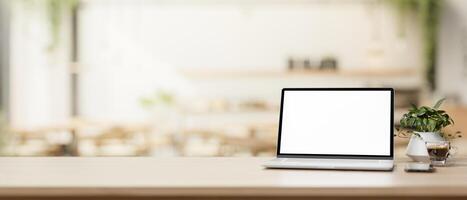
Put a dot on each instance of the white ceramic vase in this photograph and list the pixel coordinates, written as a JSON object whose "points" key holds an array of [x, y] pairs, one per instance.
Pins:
{"points": [[416, 149]]}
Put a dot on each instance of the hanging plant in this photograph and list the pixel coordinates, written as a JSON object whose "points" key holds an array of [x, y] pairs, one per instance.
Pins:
{"points": [[55, 10], [429, 12]]}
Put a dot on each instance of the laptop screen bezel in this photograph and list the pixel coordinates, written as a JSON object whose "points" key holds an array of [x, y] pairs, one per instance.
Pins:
{"points": [[339, 156]]}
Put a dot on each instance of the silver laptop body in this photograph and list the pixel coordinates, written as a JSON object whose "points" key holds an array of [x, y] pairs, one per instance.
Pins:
{"points": [[336, 128]]}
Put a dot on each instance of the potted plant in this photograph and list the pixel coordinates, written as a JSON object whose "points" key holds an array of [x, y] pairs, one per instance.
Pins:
{"points": [[425, 124]]}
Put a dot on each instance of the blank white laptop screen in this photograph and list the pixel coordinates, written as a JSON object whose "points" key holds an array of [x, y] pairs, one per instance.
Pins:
{"points": [[336, 122]]}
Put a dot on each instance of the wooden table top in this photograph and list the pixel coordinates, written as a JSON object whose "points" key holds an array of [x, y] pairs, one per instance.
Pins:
{"points": [[145, 176]]}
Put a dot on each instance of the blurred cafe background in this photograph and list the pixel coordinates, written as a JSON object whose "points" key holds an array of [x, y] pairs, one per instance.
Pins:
{"points": [[203, 77]]}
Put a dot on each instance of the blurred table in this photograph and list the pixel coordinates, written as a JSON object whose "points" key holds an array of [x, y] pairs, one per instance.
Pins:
{"points": [[214, 178]]}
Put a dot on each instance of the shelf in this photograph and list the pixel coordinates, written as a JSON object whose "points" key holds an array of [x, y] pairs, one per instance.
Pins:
{"points": [[356, 72]]}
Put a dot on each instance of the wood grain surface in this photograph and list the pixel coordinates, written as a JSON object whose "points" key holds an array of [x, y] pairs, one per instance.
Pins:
{"points": [[213, 178]]}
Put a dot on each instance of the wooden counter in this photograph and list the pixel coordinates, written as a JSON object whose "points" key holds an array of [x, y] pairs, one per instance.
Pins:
{"points": [[213, 178]]}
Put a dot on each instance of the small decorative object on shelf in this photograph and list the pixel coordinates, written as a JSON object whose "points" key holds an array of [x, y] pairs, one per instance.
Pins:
{"points": [[424, 124], [328, 63], [290, 64], [307, 64]]}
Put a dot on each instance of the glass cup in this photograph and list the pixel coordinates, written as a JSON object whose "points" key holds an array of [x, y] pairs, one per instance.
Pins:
{"points": [[439, 152]]}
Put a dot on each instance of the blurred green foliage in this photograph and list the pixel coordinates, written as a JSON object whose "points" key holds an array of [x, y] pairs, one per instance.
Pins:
{"points": [[429, 12], [4, 132], [56, 10], [160, 97]]}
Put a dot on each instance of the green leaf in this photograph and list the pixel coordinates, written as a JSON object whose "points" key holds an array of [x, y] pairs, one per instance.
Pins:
{"points": [[411, 122], [432, 125], [421, 112], [438, 104]]}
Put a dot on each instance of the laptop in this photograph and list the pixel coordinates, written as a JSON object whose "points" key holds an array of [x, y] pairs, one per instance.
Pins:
{"points": [[336, 128]]}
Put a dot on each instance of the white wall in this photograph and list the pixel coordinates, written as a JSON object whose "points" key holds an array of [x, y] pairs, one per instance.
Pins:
{"points": [[452, 63], [233, 35], [131, 48]]}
